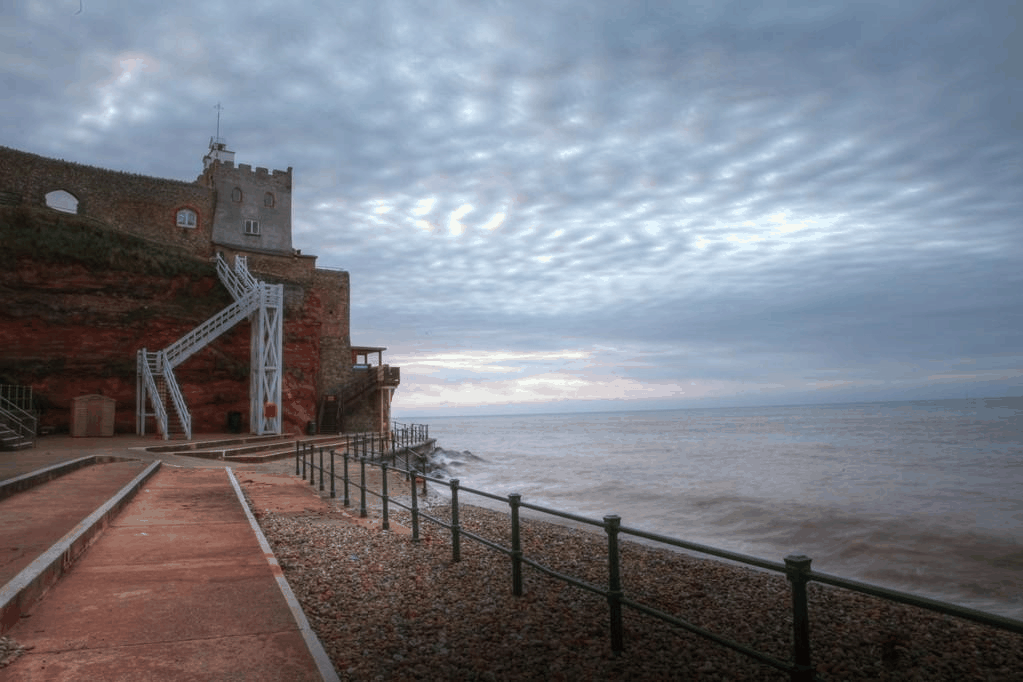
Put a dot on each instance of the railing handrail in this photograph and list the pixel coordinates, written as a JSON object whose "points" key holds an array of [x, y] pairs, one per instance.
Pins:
{"points": [[150, 381], [228, 278], [943, 607], [179, 400], [20, 421], [19, 395], [199, 337], [796, 567]]}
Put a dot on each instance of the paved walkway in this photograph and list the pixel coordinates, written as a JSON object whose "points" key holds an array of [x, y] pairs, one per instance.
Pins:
{"points": [[178, 587]]}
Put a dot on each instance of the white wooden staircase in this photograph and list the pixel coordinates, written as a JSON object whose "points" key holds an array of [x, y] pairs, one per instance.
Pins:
{"points": [[263, 305]]}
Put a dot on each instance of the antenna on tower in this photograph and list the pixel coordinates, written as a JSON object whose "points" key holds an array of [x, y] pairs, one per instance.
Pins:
{"points": [[218, 148], [219, 108]]}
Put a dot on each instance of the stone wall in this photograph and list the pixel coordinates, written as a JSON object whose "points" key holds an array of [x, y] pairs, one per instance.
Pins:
{"points": [[136, 204]]}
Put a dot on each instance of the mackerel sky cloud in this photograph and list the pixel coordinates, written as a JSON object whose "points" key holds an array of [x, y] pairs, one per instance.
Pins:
{"points": [[594, 205]]}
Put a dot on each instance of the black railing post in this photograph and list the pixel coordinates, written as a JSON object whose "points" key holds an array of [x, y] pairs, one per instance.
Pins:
{"points": [[348, 501], [516, 549], [614, 582], [332, 495], [296, 458], [321, 468], [456, 540], [415, 511], [312, 464], [303, 462], [362, 487], [797, 569], [383, 493]]}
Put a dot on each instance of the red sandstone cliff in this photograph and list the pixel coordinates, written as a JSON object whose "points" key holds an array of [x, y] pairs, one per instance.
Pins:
{"points": [[78, 300]]}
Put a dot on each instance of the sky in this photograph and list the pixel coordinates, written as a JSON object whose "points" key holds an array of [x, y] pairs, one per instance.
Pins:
{"points": [[593, 205]]}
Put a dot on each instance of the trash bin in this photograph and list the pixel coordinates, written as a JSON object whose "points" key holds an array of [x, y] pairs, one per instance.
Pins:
{"points": [[234, 422], [310, 429]]}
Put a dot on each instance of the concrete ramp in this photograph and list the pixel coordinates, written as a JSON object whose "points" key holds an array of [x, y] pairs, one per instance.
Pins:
{"points": [[178, 587]]}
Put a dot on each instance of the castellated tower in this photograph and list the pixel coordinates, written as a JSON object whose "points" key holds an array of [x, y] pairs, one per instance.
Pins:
{"points": [[252, 208]]}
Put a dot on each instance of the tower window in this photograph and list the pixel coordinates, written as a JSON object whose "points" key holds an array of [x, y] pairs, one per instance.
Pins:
{"points": [[251, 227], [268, 200], [236, 195], [187, 218]]}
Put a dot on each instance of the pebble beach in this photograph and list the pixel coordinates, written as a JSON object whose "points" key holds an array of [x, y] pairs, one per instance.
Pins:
{"points": [[388, 608]]}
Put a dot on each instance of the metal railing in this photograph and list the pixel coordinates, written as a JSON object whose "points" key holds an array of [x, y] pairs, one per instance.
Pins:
{"points": [[412, 433], [20, 421], [20, 396], [795, 567], [199, 337]]}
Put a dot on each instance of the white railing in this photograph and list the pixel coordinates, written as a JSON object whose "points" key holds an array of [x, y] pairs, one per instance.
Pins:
{"points": [[18, 420], [198, 338], [147, 371], [229, 279], [184, 416], [241, 270]]}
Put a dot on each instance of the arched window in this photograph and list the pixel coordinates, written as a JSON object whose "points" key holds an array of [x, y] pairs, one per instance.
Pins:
{"points": [[236, 194], [268, 200], [61, 200], [187, 218]]}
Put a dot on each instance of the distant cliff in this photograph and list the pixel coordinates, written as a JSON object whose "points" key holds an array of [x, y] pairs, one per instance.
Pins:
{"points": [[77, 300]]}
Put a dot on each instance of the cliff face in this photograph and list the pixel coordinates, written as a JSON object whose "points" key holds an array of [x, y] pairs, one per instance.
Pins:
{"points": [[77, 301]]}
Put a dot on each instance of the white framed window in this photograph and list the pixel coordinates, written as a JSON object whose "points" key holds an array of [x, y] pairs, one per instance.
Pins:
{"points": [[187, 218], [251, 227], [63, 201]]}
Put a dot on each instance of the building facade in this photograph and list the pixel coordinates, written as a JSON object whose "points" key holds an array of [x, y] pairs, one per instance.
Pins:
{"points": [[231, 210]]}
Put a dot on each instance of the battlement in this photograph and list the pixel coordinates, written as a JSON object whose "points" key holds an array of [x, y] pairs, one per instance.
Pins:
{"points": [[227, 171]]}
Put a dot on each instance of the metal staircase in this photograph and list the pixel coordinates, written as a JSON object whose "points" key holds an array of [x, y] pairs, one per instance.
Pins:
{"points": [[263, 305], [366, 381], [19, 421]]}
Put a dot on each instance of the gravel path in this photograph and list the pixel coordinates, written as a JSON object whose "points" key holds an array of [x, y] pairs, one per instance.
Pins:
{"points": [[386, 608]]}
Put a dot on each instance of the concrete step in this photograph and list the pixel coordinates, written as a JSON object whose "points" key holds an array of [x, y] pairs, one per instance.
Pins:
{"points": [[12, 440], [219, 444], [284, 450], [250, 449]]}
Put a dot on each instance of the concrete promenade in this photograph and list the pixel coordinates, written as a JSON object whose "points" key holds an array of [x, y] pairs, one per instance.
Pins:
{"points": [[179, 586]]}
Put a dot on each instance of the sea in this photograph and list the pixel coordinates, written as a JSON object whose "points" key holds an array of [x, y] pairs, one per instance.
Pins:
{"points": [[920, 496]]}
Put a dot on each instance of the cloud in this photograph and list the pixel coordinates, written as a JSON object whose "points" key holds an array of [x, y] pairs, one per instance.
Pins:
{"points": [[744, 194]]}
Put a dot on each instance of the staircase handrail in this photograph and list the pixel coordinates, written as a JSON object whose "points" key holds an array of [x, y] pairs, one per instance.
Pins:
{"points": [[18, 420], [355, 389], [198, 338], [229, 279], [150, 381], [179, 400], [241, 270]]}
